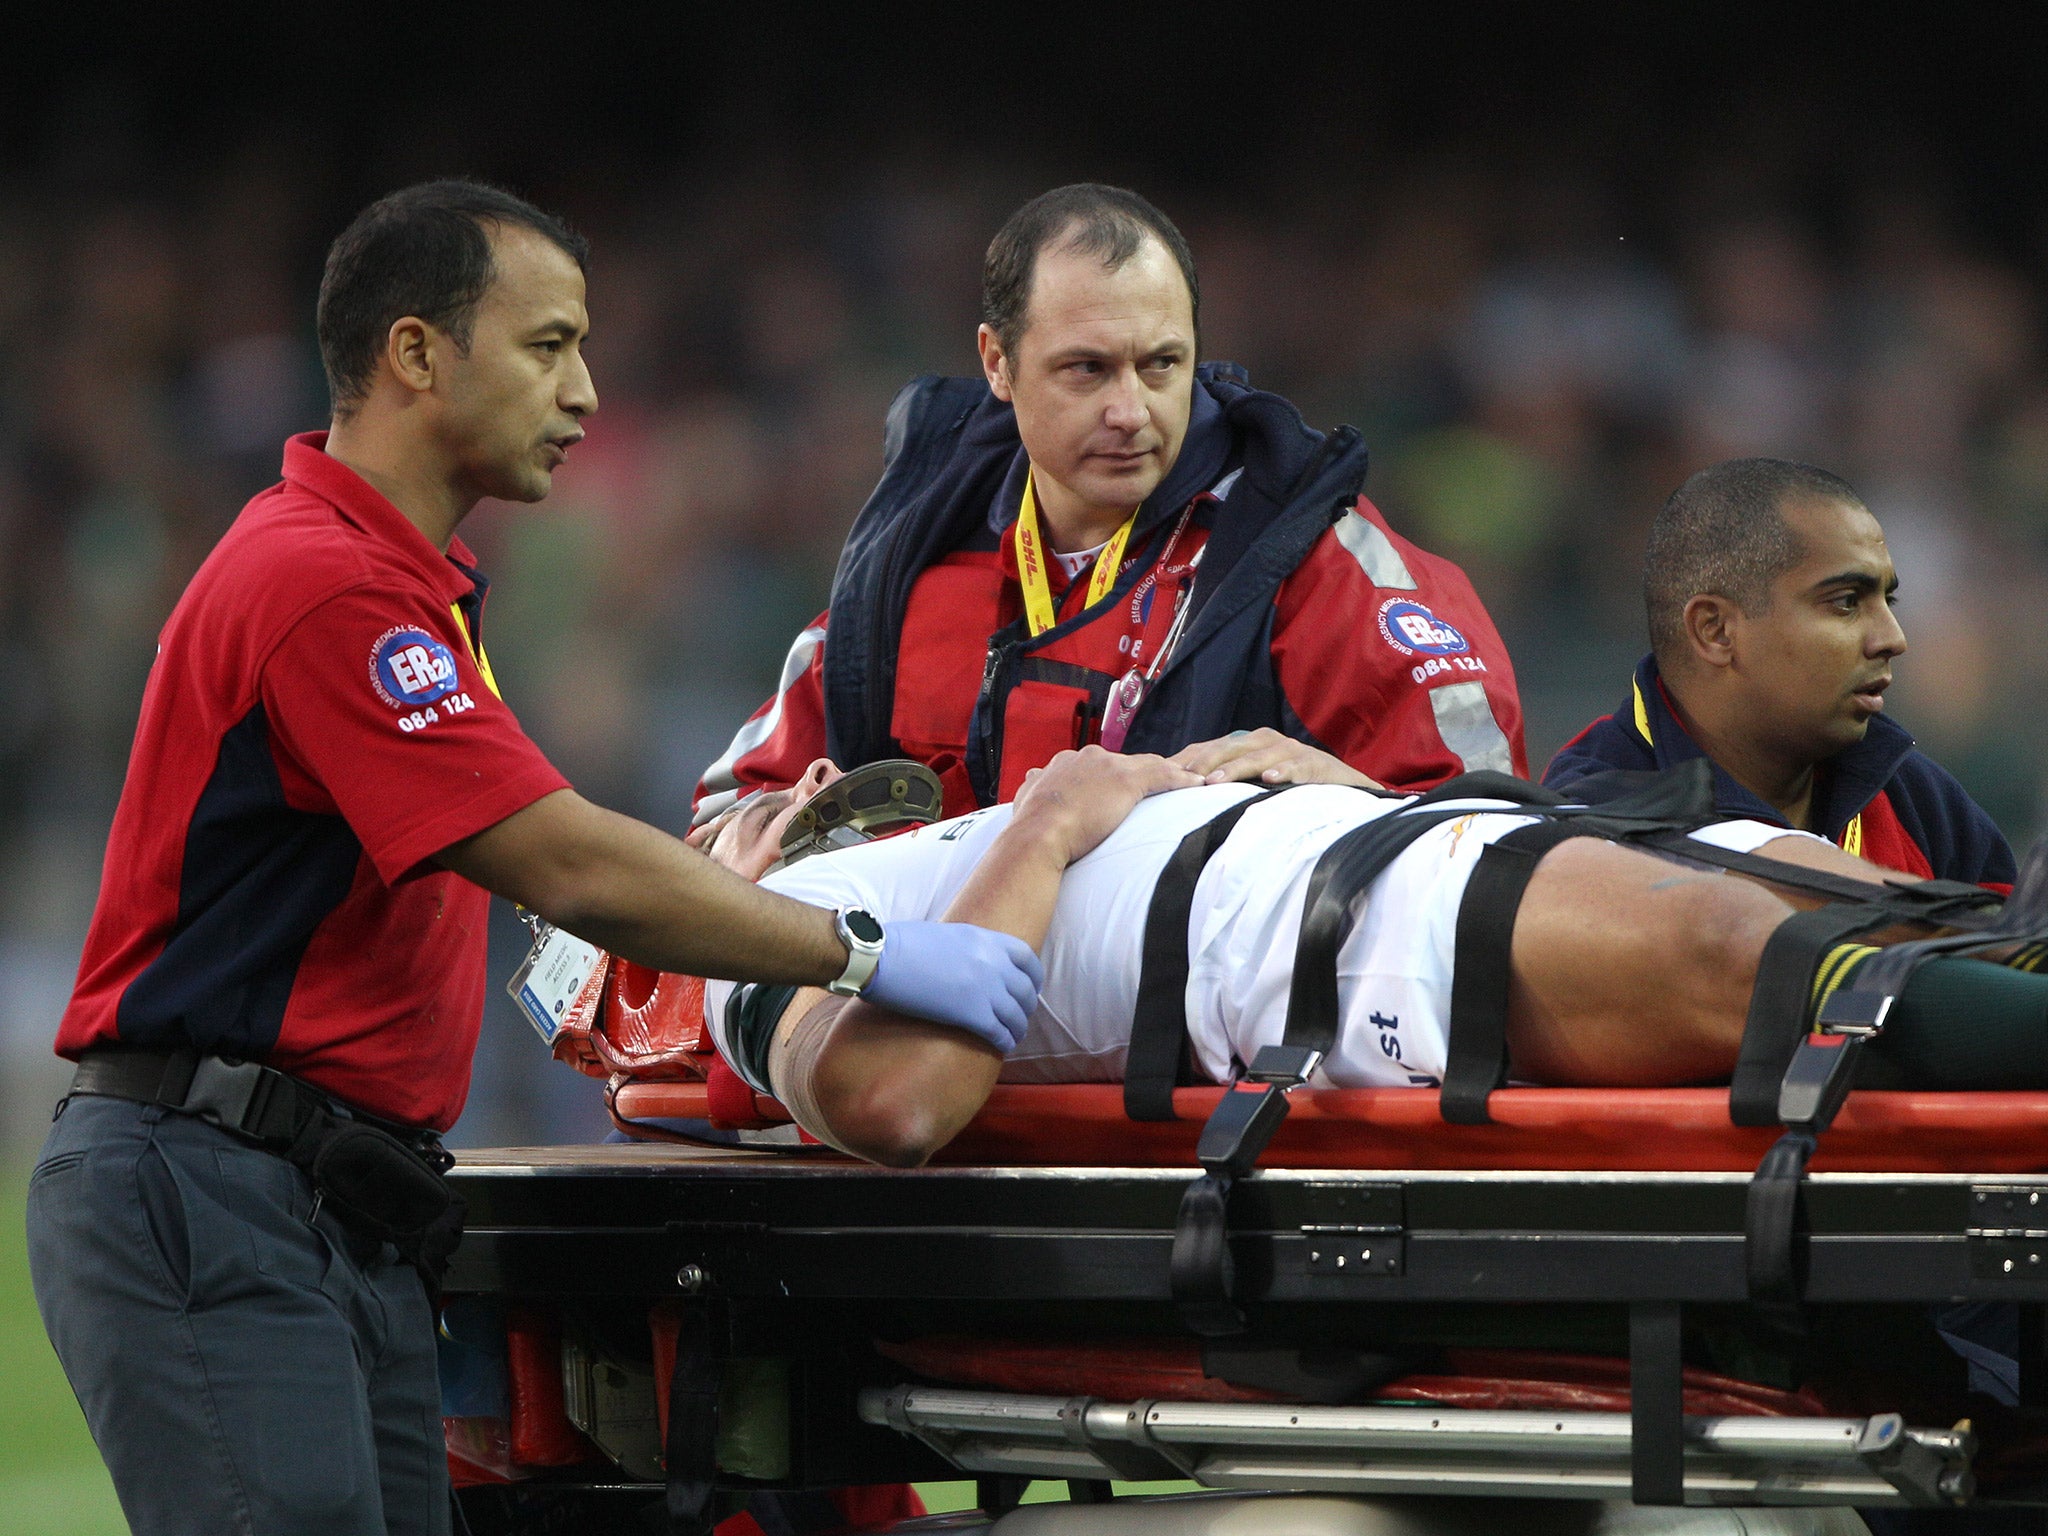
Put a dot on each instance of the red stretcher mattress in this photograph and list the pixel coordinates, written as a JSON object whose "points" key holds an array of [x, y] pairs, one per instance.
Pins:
{"points": [[1648, 1129]]}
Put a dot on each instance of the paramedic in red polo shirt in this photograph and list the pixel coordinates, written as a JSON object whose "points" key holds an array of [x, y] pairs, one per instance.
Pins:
{"points": [[282, 986]]}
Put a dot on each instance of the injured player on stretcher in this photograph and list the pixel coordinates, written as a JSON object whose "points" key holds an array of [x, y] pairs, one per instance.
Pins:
{"points": [[1627, 968]]}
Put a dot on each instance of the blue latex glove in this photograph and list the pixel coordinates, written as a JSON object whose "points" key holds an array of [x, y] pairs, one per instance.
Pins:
{"points": [[955, 973]]}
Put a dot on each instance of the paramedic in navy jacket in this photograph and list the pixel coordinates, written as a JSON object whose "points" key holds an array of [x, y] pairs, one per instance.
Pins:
{"points": [[1772, 638], [1099, 540]]}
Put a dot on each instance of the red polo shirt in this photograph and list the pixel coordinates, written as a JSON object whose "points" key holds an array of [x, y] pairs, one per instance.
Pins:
{"points": [[320, 722]]}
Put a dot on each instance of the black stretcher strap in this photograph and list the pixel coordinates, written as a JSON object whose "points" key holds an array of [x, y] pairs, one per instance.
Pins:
{"points": [[1476, 1053], [1656, 1398], [1243, 1123], [1157, 1058], [1779, 1004], [1798, 1075], [1329, 909], [689, 1455], [1157, 1061], [1950, 903], [1774, 1223]]}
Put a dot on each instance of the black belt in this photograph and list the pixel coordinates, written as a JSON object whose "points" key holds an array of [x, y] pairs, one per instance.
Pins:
{"points": [[257, 1102], [382, 1180]]}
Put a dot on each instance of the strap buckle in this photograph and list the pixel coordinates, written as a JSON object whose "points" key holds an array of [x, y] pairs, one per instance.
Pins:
{"points": [[1818, 1079], [1243, 1122], [1284, 1066], [1238, 1130], [1849, 1012]]}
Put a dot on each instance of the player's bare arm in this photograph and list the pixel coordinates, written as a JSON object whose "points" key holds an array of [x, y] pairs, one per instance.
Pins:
{"points": [[894, 1090]]}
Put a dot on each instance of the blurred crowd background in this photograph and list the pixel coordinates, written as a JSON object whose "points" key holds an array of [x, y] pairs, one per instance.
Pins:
{"points": [[1545, 296]]}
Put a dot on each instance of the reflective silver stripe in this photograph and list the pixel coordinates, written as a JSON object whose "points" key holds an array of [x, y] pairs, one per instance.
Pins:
{"points": [[1374, 552], [1465, 720], [721, 777]]}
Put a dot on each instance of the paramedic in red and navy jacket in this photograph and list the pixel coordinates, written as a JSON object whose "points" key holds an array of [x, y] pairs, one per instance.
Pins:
{"points": [[1769, 591], [1100, 541]]}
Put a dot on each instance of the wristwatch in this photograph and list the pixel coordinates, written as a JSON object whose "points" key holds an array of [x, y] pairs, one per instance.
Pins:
{"points": [[861, 932]]}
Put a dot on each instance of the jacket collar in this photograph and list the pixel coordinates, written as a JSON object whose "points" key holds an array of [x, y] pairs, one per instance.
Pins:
{"points": [[1844, 785], [307, 465]]}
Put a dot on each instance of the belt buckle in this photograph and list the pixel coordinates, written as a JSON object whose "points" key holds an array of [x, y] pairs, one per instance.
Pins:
{"points": [[223, 1091]]}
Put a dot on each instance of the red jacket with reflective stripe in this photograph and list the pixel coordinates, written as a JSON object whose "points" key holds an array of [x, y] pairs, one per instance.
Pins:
{"points": [[1382, 652]]}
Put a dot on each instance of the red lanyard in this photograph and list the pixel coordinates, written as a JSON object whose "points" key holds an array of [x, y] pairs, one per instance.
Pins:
{"points": [[1129, 691]]}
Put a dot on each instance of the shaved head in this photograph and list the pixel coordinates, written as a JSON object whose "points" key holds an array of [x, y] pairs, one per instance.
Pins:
{"points": [[1724, 533]]}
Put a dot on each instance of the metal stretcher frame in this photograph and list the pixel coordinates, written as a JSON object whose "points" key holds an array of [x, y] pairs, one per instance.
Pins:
{"points": [[810, 1256]]}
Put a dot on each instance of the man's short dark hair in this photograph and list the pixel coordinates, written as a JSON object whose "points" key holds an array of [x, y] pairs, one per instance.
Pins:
{"points": [[1087, 218], [425, 251], [1724, 532]]}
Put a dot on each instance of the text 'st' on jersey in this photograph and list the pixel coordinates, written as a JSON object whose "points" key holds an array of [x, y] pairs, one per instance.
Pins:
{"points": [[319, 723]]}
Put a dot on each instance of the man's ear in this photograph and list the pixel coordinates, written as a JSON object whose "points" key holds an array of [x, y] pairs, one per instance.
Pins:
{"points": [[995, 363], [1712, 626], [410, 352]]}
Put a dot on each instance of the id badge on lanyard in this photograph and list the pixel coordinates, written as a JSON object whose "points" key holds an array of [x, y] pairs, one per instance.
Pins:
{"points": [[560, 981], [1129, 691]]}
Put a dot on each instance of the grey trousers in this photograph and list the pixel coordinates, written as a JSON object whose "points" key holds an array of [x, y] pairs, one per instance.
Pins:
{"points": [[243, 1368]]}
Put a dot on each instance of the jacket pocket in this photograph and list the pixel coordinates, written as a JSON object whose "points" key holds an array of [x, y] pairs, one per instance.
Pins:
{"points": [[939, 659], [1039, 721]]}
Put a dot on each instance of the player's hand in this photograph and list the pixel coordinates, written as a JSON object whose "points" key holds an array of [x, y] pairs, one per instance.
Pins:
{"points": [[1079, 798], [975, 979], [1268, 757]]}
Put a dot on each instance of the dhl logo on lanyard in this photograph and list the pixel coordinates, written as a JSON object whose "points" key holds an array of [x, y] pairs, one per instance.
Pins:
{"points": [[1039, 612]]}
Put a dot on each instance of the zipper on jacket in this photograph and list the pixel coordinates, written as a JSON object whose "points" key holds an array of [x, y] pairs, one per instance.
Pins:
{"points": [[988, 780]]}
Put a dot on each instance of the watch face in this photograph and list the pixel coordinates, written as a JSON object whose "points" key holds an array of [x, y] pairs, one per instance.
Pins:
{"points": [[863, 926]]}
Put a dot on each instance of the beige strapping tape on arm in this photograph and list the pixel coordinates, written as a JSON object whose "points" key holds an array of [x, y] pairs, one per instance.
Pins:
{"points": [[793, 1060]]}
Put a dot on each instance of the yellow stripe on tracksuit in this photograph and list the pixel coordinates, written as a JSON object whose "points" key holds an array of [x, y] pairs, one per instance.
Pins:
{"points": [[1852, 836], [476, 650]]}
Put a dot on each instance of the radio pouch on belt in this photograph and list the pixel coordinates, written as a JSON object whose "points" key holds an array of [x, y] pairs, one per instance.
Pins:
{"points": [[381, 1189]]}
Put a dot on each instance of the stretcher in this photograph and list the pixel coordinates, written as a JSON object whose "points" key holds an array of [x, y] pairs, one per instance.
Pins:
{"points": [[1572, 1296], [878, 1294]]}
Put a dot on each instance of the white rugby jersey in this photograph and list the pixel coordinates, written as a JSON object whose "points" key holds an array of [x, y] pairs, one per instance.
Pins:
{"points": [[1393, 971]]}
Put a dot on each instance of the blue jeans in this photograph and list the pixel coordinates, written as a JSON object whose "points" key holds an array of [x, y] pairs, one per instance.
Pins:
{"points": [[245, 1365]]}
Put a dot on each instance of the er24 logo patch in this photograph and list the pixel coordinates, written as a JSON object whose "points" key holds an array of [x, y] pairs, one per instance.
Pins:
{"points": [[409, 667]]}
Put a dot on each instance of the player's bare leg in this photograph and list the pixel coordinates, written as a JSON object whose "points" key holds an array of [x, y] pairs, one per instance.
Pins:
{"points": [[1633, 971]]}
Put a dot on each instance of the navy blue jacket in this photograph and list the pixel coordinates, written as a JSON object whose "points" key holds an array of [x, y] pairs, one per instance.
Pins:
{"points": [[1881, 798], [951, 444]]}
